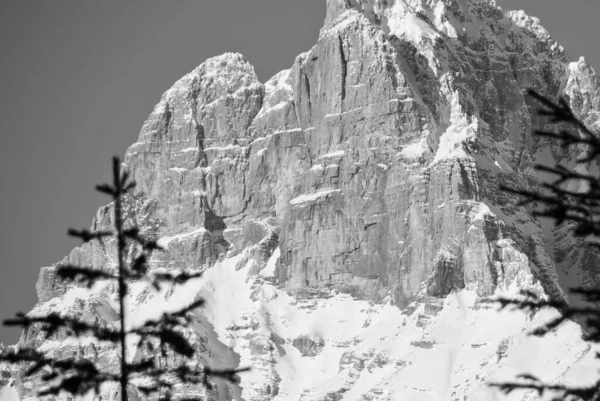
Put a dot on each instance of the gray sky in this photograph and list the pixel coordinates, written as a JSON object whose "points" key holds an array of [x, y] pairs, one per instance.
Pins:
{"points": [[78, 78]]}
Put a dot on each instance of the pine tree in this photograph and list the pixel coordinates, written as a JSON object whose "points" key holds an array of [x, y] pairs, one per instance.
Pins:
{"points": [[580, 210], [78, 375]]}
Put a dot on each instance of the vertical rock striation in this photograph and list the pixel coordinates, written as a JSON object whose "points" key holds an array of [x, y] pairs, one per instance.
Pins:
{"points": [[371, 168]]}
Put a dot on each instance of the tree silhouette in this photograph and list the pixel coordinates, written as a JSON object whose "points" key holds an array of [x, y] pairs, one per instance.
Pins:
{"points": [[78, 375], [580, 209]]}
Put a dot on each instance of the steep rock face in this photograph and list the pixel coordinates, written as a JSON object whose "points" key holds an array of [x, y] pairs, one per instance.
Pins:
{"points": [[371, 154], [364, 182]]}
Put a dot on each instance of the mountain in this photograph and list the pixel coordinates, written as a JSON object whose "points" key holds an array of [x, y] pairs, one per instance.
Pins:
{"points": [[347, 212]]}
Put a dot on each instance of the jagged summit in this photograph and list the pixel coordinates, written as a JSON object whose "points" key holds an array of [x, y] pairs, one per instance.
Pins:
{"points": [[347, 212], [227, 72]]}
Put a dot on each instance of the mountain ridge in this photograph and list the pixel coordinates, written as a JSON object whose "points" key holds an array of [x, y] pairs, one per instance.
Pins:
{"points": [[361, 188]]}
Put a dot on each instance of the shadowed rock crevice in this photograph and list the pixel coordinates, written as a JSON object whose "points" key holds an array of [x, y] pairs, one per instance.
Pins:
{"points": [[216, 226], [201, 160], [448, 275], [307, 346], [308, 93], [423, 80], [344, 73]]}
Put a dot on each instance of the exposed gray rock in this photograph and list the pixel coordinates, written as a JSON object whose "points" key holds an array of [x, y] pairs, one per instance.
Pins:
{"points": [[372, 165], [307, 346]]}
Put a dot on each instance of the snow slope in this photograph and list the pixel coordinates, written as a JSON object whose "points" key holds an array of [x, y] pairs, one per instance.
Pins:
{"points": [[346, 214]]}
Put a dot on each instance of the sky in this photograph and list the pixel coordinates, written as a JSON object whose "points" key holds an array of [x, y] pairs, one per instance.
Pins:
{"points": [[79, 77]]}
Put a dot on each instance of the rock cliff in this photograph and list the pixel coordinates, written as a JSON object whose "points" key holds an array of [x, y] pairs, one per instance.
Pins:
{"points": [[347, 211]]}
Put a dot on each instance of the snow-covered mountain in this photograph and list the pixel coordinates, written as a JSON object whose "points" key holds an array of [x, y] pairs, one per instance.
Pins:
{"points": [[347, 212]]}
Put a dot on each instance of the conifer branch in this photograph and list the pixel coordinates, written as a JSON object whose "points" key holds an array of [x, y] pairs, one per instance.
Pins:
{"points": [[581, 209], [78, 376], [87, 235], [84, 275], [49, 324]]}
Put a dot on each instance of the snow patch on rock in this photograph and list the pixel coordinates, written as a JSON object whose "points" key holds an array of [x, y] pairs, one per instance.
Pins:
{"points": [[307, 198]]}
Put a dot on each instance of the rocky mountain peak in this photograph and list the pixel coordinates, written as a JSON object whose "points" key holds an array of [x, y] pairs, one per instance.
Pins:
{"points": [[347, 213], [220, 75]]}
